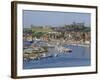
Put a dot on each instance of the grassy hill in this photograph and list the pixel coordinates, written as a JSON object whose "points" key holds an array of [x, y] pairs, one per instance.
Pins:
{"points": [[38, 29]]}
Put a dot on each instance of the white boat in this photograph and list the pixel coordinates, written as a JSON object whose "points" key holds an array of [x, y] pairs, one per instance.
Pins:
{"points": [[62, 49]]}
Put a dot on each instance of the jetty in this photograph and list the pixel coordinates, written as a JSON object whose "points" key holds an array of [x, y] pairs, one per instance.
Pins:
{"points": [[39, 50]]}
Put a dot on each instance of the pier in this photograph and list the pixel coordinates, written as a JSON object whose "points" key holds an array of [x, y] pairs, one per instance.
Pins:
{"points": [[35, 52]]}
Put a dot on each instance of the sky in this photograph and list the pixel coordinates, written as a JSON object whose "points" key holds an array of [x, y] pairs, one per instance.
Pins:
{"points": [[41, 18]]}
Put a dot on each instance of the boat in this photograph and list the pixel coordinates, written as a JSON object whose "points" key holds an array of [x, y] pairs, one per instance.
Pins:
{"points": [[62, 49]]}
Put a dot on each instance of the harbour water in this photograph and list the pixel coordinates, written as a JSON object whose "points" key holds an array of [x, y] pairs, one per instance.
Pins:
{"points": [[80, 56]]}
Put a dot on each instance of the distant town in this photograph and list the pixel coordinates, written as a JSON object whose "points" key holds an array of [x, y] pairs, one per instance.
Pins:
{"points": [[38, 39]]}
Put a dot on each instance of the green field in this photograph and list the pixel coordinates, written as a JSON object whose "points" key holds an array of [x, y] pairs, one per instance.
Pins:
{"points": [[37, 29]]}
